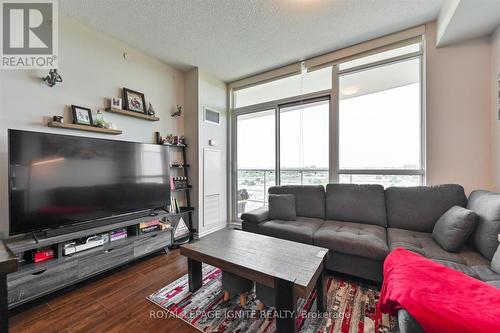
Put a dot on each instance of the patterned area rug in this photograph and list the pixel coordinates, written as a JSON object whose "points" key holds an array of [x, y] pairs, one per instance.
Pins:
{"points": [[351, 308]]}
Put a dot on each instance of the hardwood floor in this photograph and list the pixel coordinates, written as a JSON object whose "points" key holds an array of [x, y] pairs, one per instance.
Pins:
{"points": [[115, 302]]}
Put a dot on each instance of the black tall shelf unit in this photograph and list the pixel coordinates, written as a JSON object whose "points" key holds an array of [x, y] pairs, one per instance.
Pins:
{"points": [[186, 211]]}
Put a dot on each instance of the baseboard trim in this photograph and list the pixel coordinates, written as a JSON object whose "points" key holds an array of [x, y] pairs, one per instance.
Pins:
{"points": [[207, 232]]}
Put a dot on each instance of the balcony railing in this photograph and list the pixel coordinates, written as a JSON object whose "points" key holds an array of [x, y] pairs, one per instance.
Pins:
{"points": [[254, 183]]}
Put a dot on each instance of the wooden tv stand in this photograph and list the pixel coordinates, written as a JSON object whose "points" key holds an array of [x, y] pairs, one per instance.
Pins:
{"points": [[33, 280]]}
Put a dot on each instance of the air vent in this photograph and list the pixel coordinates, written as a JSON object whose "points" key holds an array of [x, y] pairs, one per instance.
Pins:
{"points": [[212, 116]]}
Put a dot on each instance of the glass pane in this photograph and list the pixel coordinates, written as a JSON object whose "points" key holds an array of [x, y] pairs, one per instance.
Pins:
{"points": [[295, 85], [304, 148], [256, 146], [380, 56], [384, 180], [379, 117]]}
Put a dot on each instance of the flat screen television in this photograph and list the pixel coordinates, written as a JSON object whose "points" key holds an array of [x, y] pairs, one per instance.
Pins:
{"points": [[56, 181]]}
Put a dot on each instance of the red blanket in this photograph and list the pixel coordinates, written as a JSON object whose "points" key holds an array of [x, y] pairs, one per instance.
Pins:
{"points": [[439, 298]]}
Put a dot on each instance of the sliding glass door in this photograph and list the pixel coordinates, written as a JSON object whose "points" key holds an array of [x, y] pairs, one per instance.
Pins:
{"points": [[304, 143], [301, 157], [256, 158]]}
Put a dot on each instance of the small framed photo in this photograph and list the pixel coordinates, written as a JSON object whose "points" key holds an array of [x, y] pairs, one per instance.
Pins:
{"points": [[116, 103], [134, 101], [81, 115]]}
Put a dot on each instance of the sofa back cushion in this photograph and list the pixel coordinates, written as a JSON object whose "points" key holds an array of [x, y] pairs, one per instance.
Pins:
{"points": [[356, 203], [418, 208], [487, 207], [282, 207], [309, 199]]}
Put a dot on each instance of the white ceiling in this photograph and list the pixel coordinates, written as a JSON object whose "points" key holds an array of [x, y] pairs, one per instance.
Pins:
{"points": [[460, 20], [236, 38]]}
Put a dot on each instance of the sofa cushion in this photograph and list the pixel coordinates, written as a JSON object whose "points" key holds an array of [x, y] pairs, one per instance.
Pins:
{"points": [[454, 228], [309, 199], [282, 207], [487, 206], [422, 243], [468, 270], [494, 283], [364, 240], [301, 230], [418, 208], [472, 257], [485, 273], [356, 203], [495, 262]]}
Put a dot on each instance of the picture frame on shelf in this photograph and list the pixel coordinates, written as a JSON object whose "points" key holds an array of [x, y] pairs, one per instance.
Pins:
{"points": [[116, 103], [82, 115], [134, 101]]}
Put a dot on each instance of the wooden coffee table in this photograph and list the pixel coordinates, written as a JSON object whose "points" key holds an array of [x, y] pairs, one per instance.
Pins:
{"points": [[292, 269]]}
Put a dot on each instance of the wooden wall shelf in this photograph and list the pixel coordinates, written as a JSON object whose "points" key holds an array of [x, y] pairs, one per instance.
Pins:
{"points": [[84, 128], [133, 114]]}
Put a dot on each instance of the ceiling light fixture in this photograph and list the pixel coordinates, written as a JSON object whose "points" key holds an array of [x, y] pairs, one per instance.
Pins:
{"points": [[48, 161], [350, 90]]}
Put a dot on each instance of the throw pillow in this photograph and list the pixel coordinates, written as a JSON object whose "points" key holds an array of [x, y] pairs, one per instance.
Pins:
{"points": [[495, 262], [454, 227], [282, 207]]}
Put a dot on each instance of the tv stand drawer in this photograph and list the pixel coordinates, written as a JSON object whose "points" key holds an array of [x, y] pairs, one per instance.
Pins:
{"points": [[104, 260], [152, 243], [25, 285]]}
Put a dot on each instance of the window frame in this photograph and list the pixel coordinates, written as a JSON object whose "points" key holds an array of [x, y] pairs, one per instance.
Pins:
{"points": [[331, 94], [389, 172]]}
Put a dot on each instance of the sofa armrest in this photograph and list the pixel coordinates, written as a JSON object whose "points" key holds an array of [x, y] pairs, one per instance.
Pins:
{"points": [[256, 216], [408, 324]]}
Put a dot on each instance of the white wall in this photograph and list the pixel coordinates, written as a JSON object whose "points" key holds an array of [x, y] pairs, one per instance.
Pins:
{"points": [[191, 124], [93, 69], [495, 122], [458, 112], [212, 95], [205, 90]]}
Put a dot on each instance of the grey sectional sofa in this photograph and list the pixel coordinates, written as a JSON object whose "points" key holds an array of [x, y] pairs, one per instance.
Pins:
{"points": [[360, 224]]}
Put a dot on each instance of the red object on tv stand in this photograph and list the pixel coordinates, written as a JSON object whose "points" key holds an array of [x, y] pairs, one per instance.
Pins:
{"points": [[43, 255]]}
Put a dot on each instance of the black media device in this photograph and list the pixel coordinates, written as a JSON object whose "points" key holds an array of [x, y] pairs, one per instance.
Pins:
{"points": [[62, 183]]}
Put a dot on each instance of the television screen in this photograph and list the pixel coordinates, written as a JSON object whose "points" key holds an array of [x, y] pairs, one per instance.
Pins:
{"points": [[59, 180]]}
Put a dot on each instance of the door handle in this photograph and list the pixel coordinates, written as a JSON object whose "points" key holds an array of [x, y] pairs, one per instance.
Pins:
{"points": [[39, 272]]}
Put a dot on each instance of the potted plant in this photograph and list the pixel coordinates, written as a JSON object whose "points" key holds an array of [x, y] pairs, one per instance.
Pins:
{"points": [[242, 197]]}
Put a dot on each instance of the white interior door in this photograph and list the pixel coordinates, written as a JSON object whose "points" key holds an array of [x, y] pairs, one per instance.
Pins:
{"points": [[212, 188]]}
